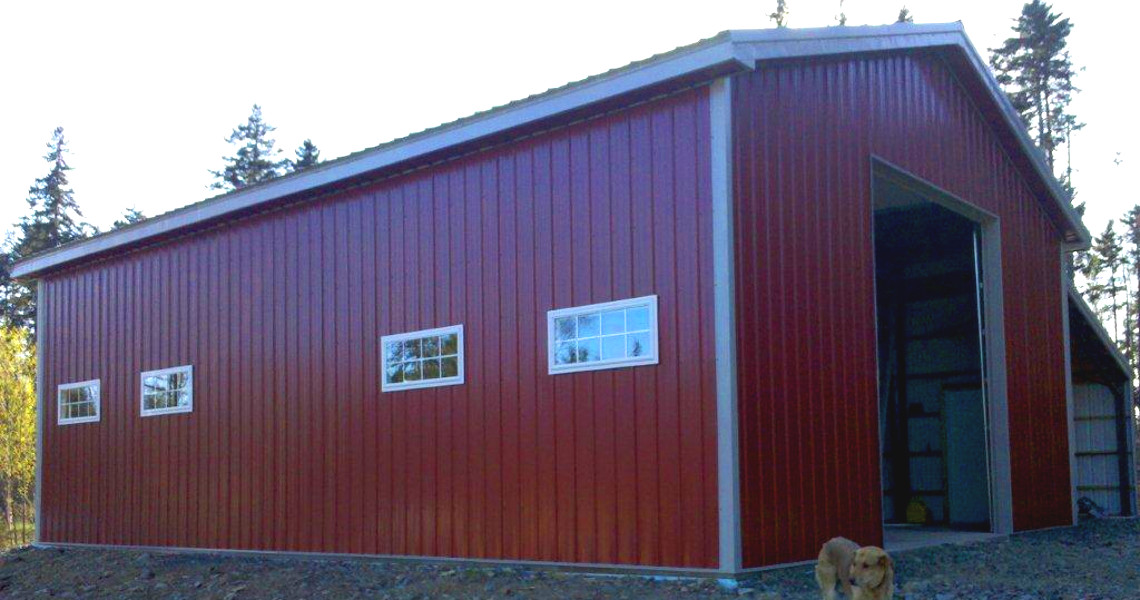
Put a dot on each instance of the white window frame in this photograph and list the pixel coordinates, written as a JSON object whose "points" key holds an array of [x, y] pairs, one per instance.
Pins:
{"points": [[457, 379], [650, 358], [154, 412], [59, 418]]}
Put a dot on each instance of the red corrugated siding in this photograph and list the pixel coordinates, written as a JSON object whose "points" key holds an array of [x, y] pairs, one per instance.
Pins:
{"points": [[804, 136], [291, 445]]}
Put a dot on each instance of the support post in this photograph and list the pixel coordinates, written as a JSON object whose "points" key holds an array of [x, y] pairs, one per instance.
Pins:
{"points": [[724, 303]]}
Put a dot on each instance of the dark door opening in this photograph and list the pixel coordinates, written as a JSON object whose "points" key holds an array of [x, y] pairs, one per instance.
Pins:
{"points": [[932, 411]]}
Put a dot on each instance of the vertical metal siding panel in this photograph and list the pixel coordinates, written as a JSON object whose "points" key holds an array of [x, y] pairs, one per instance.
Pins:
{"points": [[794, 227], [546, 428], [563, 396], [262, 393], [709, 493], [353, 409], [646, 415], [665, 269], [372, 374], [509, 411], [624, 409], [490, 343], [601, 261], [292, 446], [328, 394], [386, 503], [582, 418], [452, 523], [690, 355], [525, 374], [282, 366]]}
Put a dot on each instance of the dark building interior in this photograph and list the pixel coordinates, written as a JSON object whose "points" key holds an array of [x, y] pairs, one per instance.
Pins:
{"points": [[932, 408]]}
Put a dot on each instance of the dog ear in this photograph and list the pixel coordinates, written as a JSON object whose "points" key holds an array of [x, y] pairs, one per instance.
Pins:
{"points": [[885, 561]]}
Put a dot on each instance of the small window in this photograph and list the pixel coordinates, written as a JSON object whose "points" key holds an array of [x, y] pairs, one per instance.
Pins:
{"points": [[78, 402], [168, 391], [423, 359], [603, 336]]}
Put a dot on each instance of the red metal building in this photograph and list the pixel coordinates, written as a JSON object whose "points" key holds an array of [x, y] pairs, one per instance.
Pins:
{"points": [[637, 322]]}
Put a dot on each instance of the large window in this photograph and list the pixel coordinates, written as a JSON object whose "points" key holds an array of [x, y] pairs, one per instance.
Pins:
{"points": [[423, 358], [78, 402], [603, 336], [168, 391]]}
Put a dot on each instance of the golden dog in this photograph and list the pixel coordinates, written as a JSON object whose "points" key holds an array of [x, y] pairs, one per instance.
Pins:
{"points": [[865, 573]]}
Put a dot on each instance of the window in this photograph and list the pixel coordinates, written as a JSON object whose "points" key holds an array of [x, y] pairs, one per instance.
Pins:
{"points": [[423, 359], [78, 402], [168, 391], [603, 336]]}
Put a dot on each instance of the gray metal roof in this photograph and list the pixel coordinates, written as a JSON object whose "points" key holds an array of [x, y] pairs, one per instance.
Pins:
{"points": [[1077, 302], [725, 52]]}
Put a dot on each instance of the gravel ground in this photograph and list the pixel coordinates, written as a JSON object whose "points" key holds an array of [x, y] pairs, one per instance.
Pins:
{"points": [[1098, 560]]}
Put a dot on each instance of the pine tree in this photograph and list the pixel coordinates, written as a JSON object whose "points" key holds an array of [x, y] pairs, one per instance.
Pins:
{"points": [[841, 18], [307, 155], [1036, 71], [17, 423], [1107, 248], [780, 17], [905, 16], [130, 217], [55, 219], [256, 159], [1091, 269], [1131, 221]]}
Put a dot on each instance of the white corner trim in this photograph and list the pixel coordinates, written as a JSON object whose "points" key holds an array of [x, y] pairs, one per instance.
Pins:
{"points": [[60, 420], [650, 358], [422, 383], [1070, 408], [724, 325], [155, 412], [1130, 437], [41, 321]]}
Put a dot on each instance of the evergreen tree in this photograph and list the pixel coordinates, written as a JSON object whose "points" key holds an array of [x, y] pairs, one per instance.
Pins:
{"points": [[130, 217], [307, 156], [841, 18], [256, 158], [905, 16], [1131, 221], [54, 219], [17, 423], [1107, 248], [1091, 269], [780, 17], [1036, 71]]}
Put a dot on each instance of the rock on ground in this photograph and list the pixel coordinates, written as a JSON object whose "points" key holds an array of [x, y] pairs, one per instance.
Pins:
{"points": [[1098, 560]]}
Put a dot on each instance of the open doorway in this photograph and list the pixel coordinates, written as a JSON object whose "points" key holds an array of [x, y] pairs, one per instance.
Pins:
{"points": [[932, 381]]}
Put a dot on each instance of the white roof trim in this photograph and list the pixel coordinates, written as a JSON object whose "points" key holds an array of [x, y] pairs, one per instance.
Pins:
{"points": [[1077, 302], [734, 49]]}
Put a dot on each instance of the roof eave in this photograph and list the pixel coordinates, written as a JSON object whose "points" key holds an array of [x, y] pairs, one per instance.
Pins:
{"points": [[1077, 301], [728, 51], [719, 53], [1077, 236]]}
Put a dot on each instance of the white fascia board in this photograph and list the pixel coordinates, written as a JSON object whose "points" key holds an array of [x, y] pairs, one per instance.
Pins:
{"points": [[715, 54], [797, 43], [1036, 157], [740, 49], [1076, 301]]}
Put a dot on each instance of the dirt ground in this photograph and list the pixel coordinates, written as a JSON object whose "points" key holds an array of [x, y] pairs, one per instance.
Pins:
{"points": [[1099, 560]]}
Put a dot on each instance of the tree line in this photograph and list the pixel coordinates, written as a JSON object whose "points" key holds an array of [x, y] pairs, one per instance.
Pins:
{"points": [[54, 216]]}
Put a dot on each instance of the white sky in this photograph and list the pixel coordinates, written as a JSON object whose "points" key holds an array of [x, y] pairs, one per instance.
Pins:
{"points": [[147, 92]]}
